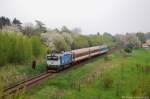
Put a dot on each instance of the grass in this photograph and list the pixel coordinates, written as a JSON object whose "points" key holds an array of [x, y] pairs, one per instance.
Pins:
{"points": [[111, 78], [12, 73]]}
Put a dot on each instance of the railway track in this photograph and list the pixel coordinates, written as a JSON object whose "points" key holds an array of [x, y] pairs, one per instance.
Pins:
{"points": [[27, 84]]}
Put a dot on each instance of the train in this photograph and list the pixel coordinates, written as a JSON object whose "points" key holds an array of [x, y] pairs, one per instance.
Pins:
{"points": [[59, 61]]}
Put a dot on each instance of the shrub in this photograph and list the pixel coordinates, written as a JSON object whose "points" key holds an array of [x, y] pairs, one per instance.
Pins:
{"points": [[128, 50]]}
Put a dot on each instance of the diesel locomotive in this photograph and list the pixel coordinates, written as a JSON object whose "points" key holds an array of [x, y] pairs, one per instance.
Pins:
{"points": [[65, 59]]}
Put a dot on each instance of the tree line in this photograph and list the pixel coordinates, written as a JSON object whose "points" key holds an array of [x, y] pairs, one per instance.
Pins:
{"points": [[22, 42]]}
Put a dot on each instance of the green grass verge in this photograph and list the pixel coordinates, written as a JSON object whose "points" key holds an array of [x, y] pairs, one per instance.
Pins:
{"points": [[11, 73]]}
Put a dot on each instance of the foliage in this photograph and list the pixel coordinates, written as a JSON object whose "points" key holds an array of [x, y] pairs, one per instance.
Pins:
{"points": [[129, 39], [4, 21], [68, 39], [64, 41], [16, 48], [16, 22], [28, 29], [128, 50], [80, 42], [40, 26], [95, 40], [38, 48], [141, 37], [60, 43], [7, 26], [65, 29], [108, 39]]}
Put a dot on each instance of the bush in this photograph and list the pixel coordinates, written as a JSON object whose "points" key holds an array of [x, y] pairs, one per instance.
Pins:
{"points": [[128, 50]]}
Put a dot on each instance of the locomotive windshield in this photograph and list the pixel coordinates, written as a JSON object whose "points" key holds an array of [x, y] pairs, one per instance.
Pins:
{"points": [[52, 57]]}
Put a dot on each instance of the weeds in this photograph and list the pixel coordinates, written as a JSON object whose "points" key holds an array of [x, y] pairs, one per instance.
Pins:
{"points": [[1, 87], [107, 82]]}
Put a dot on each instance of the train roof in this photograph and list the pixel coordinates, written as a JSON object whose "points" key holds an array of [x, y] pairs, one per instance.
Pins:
{"points": [[86, 49], [79, 50]]}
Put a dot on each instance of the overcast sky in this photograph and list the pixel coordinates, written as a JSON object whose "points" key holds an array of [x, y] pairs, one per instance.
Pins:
{"points": [[92, 16]]}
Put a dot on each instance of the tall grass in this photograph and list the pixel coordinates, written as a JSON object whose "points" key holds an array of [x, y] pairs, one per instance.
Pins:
{"points": [[17, 48]]}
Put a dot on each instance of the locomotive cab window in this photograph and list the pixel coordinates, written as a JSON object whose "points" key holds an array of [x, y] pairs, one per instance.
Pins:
{"points": [[52, 58]]}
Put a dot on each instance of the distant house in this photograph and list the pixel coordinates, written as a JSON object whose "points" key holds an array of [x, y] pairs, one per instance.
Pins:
{"points": [[146, 45]]}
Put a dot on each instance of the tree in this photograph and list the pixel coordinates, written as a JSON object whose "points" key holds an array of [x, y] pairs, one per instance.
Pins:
{"points": [[68, 38], [108, 39], [80, 42], [65, 29], [4, 21], [55, 42], [94, 40], [17, 48], [16, 22], [40, 26], [130, 39], [119, 40], [107, 34], [28, 29], [141, 37], [7, 21], [37, 47], [60, 44]]}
